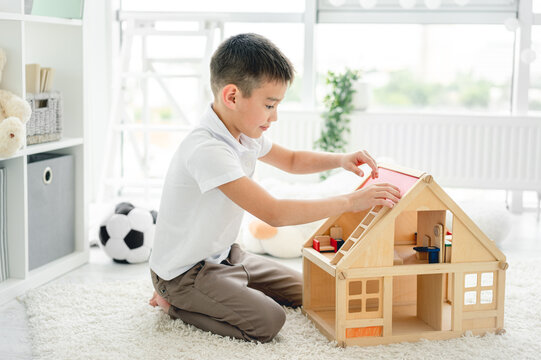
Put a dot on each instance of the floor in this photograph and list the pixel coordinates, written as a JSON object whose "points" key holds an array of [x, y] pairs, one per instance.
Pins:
{"points": [[524, 240]]}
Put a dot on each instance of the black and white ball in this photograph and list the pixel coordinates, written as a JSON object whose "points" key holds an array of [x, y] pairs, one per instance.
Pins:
{"points": [[127, 234]]}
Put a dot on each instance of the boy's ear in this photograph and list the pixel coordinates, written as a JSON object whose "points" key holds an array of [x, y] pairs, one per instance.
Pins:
{"points": [[230, 94]]}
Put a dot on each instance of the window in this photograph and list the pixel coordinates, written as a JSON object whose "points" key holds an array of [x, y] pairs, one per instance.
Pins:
{"points": [[355, 288], [470, 281], [364, 298], [422, 67], [535, 72], [159, 153], [451, 59], [479, 291], [486, 297], [355, 306], [487, 279], [470, 298], [215, 5], [289, 37], [372, 304]]}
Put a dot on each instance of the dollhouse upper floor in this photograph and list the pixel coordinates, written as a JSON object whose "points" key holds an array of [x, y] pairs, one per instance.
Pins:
{"points": [[425, 227]]}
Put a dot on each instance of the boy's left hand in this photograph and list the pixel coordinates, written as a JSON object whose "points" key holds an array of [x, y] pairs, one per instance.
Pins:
{"points": [[352, 162]]}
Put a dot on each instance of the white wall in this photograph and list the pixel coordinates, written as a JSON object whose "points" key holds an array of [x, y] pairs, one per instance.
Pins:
{"points": [[470, 151]]}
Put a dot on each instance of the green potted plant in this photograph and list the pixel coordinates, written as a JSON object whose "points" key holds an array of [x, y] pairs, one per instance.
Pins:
{"points": [[339, 103]]}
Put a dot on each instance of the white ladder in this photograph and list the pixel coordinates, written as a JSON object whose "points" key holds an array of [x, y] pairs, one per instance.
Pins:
{"points": [[356, 235], [121, 126]]}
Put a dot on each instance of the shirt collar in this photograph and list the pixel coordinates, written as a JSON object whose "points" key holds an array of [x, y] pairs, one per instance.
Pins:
{"points": [[211, 121]]}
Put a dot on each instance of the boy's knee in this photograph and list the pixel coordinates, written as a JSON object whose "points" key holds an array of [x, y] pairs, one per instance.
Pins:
{"points": [[271, 323]]}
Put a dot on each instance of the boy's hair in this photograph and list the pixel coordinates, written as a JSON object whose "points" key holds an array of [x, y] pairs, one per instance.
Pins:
{"points": [[248, 60]]}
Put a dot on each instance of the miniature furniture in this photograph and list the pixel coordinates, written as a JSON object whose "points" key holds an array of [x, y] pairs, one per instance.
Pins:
{"points": [[332, 242], [322, 243], [376, 289]]}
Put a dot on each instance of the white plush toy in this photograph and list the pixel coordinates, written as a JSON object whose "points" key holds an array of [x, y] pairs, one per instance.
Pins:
{"points": [[492, 218], [281, 242], [286, 241], [14, 113]]}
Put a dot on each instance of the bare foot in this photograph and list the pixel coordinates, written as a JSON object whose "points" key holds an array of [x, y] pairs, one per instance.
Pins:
{"points": [[163, 304], [152, 302], [157, 300]]}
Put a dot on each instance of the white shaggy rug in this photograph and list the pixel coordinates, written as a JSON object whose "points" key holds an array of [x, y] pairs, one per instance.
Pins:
{"points": [[113, 321]]}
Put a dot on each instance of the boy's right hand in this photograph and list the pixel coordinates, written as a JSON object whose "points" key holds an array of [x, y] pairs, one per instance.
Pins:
{"points": [[377, 194]]}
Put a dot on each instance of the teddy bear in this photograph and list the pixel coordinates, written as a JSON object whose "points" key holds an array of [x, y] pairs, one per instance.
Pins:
{"points": [[14, 113]]}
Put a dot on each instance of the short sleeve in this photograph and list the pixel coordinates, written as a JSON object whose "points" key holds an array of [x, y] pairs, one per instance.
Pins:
{"points": [[213, 164], [265, 144]]}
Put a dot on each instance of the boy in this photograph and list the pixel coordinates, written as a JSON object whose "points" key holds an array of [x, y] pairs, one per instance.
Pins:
{"points": [[199, 274]]}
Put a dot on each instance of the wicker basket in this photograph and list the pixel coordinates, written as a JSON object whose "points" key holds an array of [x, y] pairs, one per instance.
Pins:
{"points": [[45, 123]]}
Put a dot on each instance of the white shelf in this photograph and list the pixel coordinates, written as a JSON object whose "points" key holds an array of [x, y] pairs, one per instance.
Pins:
{"points": [[53, 145], [10, 16], [40, 19], [44, 147], [18, 154], [52, 20], [29, 41]]}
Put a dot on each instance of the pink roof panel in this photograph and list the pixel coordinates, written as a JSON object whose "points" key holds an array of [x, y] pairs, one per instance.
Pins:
{"points": [[402, 181]]}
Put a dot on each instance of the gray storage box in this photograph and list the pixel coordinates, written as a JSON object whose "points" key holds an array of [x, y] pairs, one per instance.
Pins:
{"points": [[51, 208]]}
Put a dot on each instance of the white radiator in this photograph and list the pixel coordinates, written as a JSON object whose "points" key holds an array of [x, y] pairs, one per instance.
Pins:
{"points": [[492, 152]]}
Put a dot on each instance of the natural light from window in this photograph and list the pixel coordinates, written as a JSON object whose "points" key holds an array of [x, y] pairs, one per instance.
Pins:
{"points": [[437, 68], [535, 72], [423, 67], [537, 6], [215, 5], [289, 38]]}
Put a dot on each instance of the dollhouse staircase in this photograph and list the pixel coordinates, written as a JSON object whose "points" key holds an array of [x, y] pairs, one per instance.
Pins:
{"points": [[371, 218]]}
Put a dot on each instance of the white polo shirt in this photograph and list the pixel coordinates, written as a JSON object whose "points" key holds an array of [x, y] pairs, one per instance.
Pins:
{"points": [[196, 221]]}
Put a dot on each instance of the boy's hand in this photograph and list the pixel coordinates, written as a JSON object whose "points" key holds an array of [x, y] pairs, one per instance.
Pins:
{"points": [[352, 162], [377, 194]]}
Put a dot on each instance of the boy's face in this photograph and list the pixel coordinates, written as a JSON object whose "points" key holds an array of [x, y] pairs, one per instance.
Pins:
{"points": [[255, 113]]}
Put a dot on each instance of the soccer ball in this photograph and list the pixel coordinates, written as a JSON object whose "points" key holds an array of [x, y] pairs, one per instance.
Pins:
{"points": [[127, 234]]}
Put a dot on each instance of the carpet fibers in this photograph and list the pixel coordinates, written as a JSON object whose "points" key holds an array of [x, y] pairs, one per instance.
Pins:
{"points": [[113, 321]]}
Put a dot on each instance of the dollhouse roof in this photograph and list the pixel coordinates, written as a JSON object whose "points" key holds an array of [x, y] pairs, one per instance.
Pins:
{"points": [[375, 247]]}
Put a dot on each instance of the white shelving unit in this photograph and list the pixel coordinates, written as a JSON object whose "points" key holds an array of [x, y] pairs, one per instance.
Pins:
{"points": [[56, 43]]}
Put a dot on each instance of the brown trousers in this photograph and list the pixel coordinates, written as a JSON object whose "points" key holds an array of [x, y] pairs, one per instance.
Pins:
{"points": [[240, 297]]}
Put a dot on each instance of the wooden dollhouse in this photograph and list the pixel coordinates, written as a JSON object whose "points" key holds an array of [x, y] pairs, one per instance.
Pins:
{"points": [[382, 286]]}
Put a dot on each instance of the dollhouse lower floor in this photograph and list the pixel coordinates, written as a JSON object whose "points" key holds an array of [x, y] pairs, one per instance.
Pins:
{"points": [[402, 303], [405, 320]]}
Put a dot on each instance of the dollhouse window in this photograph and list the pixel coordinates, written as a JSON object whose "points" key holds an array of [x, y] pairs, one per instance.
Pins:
{"points": [[372, 304], [487, 279], [470, 281], [355, 287], [470, 298], [355, 306], [479, 290], [372, 286], [486, 297], [364, 298]]}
